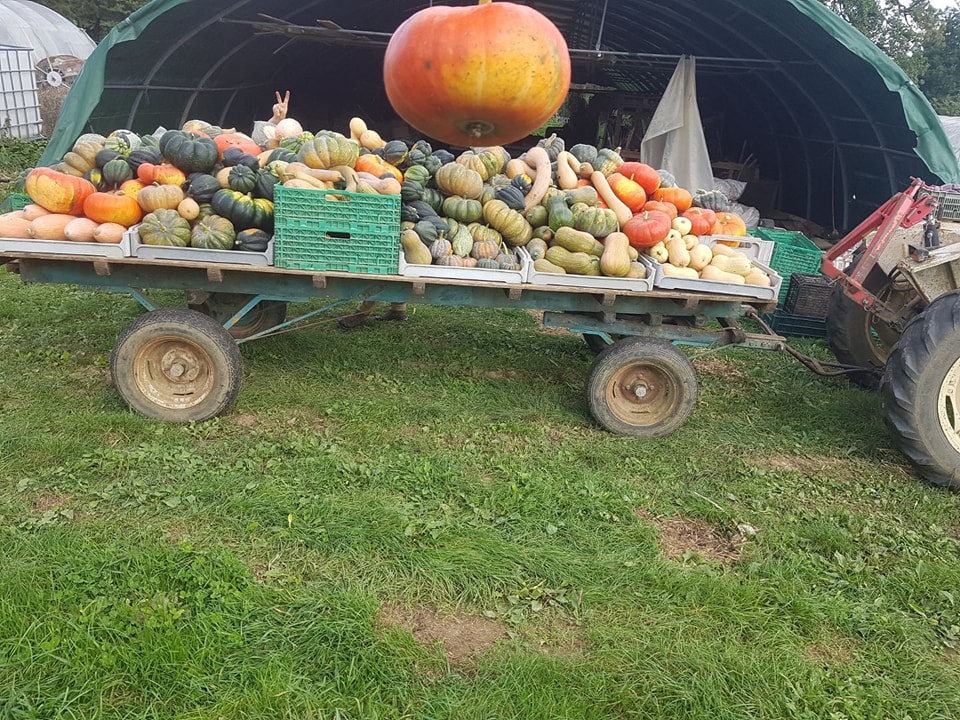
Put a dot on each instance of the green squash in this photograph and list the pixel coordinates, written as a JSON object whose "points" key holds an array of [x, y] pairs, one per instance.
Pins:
{"points": [[104, 156], [242, 179], [536, 216], [252, 240], [213, 233], [511, 196], [243, 210], [164, 227], [461, 241], [418, 173], [328, 150], [462, 209], [433, 198], [585, 153], [202, 187], [599, 222], [395, 152], [265, 184], [189, 151], [144, 154], [558, 212], [411, 190]]}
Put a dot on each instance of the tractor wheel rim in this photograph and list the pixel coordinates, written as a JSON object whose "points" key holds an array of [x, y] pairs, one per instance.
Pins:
{"points": [[641, 394], [174, 373], [948, 406]]}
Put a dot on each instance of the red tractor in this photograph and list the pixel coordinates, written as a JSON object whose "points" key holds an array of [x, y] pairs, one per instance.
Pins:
{"points": [[895, 313]]}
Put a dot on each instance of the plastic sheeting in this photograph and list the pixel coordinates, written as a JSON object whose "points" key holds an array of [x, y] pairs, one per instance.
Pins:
{"points": [[45, 32], [674, 139], [951, 126]]}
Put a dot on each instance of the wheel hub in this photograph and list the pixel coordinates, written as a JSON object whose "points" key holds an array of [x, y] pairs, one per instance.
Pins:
{"points": [[174, 373], [641, 394], [948, 411]]}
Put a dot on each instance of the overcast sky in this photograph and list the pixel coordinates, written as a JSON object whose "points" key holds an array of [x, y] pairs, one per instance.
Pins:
{"points": [[943, 3]]}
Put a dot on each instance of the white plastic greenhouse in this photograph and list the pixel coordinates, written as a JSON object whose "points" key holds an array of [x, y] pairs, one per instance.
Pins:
{"points": [[35, 44]]}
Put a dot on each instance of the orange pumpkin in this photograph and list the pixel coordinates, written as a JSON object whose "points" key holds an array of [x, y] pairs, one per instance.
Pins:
{"points": [[376, 165], [115, 207], [131, 188], [669, 208], [229, 140], [647, 177], [646, 229], [57, 191], [487, 74], [149, 174], [701, 220], [628, 191], [676, 195], [729, 224]]}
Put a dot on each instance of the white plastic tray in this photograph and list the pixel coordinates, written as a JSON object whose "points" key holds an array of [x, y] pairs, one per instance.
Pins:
{"points": [[754, 248], [66, 247], [668, 282], [465, 273], [190, 254], [599, 282]]}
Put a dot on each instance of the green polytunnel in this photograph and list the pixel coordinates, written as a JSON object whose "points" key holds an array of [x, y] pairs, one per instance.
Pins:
{"points": [[793, 99]]}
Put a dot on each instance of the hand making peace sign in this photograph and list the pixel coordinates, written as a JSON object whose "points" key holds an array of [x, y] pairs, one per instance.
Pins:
{"points": [[280, 109]]}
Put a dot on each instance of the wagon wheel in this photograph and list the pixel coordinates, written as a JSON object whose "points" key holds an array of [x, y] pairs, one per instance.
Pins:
{"points": [[265, 315], [920, 392], [176, 365], [642, 387], [599, 343], [856, 336]]}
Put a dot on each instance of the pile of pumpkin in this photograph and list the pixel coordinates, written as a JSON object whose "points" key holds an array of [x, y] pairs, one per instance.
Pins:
{"points": [[579, 211], [183, 188]]}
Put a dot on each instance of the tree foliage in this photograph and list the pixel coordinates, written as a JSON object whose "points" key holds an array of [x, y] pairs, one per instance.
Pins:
{"points": [[97, 17]]}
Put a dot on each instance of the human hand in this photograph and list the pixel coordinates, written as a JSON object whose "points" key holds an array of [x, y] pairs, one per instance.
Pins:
{"points": [[280, 108]]}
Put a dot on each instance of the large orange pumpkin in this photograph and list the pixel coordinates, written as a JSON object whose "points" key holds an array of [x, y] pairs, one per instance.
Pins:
{"points": [[115, 207], [679, 196], [729, 224], [487, 74], [647, 228], [57, 191]]}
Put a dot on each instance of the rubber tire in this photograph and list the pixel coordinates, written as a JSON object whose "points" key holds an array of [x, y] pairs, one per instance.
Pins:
{"points": [[265, 315], [664, 371], [850, 331], [202, 343], [927, 352], [597, 343]]}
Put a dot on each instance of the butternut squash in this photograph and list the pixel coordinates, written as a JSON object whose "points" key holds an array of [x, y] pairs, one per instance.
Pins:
{"points": [[638, 271], [700, 256], [109, 233], [567, 168], [712, 272], [691, 241], [357, 128], [721, 249], [516, 166], [80, 230], [50, 227], [677, 252], [738, 265], [32, 212], [578, 263], [686, 273], [414, 251], [538, 157], [756, 276], [615, 260], [606, 194], [14, 227], [371, 140]]}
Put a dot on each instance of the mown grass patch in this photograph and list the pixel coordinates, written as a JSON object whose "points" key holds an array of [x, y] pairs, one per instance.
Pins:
{"points": [[420, 519]]}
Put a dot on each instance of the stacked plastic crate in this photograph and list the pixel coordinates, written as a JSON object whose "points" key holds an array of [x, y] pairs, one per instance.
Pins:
{"points": [[805, 293]]}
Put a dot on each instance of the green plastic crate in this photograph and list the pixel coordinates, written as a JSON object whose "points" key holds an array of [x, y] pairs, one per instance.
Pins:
{"points": [[793, 252], [15, 201], [789, 325], [335, 230]]}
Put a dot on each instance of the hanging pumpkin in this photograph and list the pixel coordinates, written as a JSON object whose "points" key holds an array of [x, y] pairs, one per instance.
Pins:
{"points": [[488, 74]]}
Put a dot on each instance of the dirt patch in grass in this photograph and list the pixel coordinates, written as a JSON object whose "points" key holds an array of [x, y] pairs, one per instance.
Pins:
{"points": [[680, 538], [46, 501], [720, 368], [836, 467], [462, 636], [830, 654]]}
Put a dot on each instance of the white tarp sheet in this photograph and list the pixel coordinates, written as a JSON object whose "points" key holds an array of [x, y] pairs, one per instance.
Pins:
{"points": [[674, 140], [951, 126]]}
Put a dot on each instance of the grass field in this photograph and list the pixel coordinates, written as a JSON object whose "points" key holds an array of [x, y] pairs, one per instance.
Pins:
{"points": [[420, 520]]}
